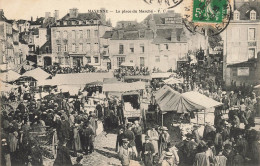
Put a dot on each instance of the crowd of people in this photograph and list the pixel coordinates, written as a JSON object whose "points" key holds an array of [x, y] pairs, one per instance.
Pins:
{"points": [[57, 69], [70, 129], [131, 71], [65, 124], [224, 143]]}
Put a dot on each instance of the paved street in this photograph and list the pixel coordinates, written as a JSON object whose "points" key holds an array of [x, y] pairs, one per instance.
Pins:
{"points": [[104, 153]]}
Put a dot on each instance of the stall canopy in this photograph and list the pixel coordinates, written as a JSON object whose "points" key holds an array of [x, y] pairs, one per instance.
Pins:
{"points": [[9, 76], [5, 87], [123, 87], [257, 86], [172, 80], [139, 77], [76, 79], [37, 74], [161, 75], [127, 64], [170, 100], [201, 99]]}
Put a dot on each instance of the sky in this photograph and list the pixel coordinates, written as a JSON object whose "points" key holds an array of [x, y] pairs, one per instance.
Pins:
{"points": [[24, 9]]}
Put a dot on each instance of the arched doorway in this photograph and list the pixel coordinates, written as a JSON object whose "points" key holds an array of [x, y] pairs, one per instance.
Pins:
{"points": [[47, 61]]}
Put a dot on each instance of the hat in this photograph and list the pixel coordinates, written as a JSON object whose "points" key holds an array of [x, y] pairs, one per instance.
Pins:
{"points": [[147, 137], [164, 128], [125, 140], [168, 154]]}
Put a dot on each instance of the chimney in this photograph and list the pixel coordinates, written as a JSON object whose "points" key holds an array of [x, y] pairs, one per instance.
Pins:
{"points": [[103, 16], [1, 12], [56, 15], [31, 18], [74, 13], [120, 34], [47, 15], [173, 35]]}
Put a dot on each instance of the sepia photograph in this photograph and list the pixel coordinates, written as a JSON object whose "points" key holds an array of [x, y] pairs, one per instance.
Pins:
{"points": [[130, 82]]}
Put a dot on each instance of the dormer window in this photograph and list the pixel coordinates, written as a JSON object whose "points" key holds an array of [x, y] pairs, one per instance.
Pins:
{"points": [[80, 22], [236, 15], [252, 15]]}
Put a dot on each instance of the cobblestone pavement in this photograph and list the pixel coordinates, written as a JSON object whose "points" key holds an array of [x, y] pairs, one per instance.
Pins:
{"points": [[104, 154]]}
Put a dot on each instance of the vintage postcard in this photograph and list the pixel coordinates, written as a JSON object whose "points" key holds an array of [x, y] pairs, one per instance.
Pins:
{"points": [[129, 82]]}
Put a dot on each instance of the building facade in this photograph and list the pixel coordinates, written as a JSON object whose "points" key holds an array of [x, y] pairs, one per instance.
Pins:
{"points": [[75, 39], [242, 45]]}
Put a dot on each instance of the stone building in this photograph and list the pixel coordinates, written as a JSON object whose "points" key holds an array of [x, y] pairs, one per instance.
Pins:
{"points": [[242, 44], [75, 38]]}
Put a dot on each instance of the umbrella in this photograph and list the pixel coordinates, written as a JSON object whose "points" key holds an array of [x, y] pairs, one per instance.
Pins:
{"points": [[127, 64]]}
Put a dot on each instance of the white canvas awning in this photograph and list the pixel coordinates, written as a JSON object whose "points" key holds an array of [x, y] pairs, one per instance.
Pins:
{"points": [[9, 76], [123, 87], [37, 74]]}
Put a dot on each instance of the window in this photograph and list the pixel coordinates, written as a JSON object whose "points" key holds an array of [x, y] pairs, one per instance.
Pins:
{"points": [[251, 34], [235, 54], [66, 48], [58, 48], [157, 58], [65, 34], [166, 46], [96, 59], [235, 34], [88, 59], [57, 34], [169, 20], [96, 47], [236, 15], [142, 48], [47, 49], [81, 47], [81, 34], [252, 15], [73, 47], [74, 34], [120, 60], [142, 62], [67, 62], [88, 33], [121, 49], [88, 47], [96, 33], [251, 53], [131, 47]]}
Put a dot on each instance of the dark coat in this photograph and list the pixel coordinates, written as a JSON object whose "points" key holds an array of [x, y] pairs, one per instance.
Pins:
{"points": [[63, 157]]}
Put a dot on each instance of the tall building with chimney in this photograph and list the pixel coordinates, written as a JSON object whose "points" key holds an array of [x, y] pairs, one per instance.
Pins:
{"points": [[75, 39], [242, 44]]}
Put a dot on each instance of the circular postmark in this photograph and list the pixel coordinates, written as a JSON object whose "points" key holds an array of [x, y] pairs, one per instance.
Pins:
{"points": [[207, 17]]}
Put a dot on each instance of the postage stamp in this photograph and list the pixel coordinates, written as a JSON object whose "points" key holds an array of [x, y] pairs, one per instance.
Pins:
{"points": [[209, 10], [201, 16]]}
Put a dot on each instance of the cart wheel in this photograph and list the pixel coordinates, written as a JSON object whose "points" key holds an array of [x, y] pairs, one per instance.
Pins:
{"points": [[6, 107]]}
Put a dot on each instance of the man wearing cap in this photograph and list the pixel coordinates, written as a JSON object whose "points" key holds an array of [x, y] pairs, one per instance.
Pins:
{"points": [[168, 159], [131, 138], [123, 153], [148, 152], [164, 138], [137, 129]]}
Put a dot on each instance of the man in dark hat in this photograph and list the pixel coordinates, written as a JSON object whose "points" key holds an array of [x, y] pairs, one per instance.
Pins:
{"points": [[148, 152], [63, 156]]}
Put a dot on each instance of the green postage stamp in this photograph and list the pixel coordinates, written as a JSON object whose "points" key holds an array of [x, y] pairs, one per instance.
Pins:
{"points": [[211, 11]]}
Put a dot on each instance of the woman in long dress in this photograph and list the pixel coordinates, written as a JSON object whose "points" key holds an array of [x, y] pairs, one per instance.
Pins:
{"points": [[154, 137], [76, 139]]}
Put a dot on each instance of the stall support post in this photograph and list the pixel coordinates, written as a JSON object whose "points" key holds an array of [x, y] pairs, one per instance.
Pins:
{"points": [[197, 117], [162, 119], [204, 116]]}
